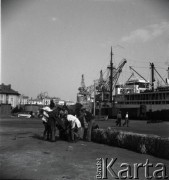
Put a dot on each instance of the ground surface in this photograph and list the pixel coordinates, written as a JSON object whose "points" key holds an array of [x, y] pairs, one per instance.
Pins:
{"points": [[159, 129], [24, 155]]}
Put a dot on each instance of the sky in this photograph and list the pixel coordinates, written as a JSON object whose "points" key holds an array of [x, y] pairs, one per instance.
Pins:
{"points": [[46, 45]]}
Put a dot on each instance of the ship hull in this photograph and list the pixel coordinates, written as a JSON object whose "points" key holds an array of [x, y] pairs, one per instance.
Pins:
{"points": [[148, 112]]}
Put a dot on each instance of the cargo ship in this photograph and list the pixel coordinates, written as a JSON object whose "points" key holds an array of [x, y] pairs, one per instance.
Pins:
{"points": [[141, 100]]}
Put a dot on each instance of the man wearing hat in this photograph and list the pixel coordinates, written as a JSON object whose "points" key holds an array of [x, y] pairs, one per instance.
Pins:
{"points": [[88, 120], [45, 117], [84, 123]]}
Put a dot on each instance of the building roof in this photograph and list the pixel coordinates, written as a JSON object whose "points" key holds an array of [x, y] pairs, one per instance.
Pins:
{"points": [[6, 89], [24, 96]]}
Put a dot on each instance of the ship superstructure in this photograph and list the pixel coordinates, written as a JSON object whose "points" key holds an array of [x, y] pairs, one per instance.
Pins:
{"points": [[141, 98]]}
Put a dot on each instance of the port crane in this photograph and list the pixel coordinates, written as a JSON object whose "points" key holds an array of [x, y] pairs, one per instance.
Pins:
{"points": [[103, 86], [118, 72]]}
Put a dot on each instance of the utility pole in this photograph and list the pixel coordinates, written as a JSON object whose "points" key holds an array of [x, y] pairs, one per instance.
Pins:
{"points": [[94, 110]]}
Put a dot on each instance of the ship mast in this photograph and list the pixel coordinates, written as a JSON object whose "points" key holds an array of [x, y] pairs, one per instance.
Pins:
{"points": [[152, 76], [167, 80], [111, 76]]}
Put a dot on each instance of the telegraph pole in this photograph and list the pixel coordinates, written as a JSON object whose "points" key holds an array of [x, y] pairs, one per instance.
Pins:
{"points": [[94, 110]]}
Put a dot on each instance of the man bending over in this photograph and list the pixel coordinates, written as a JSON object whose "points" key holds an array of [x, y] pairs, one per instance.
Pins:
{"points": [[75, 127]]}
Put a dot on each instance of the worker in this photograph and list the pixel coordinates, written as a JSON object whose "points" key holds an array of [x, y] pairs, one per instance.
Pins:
{"points": [[74, 128], [84, 123], [45, 117], [126, 122], [88, 123], [119, 117]]}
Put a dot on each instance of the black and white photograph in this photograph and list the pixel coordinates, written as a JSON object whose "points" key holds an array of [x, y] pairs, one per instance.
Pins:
{"points": [[84, 89]]}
